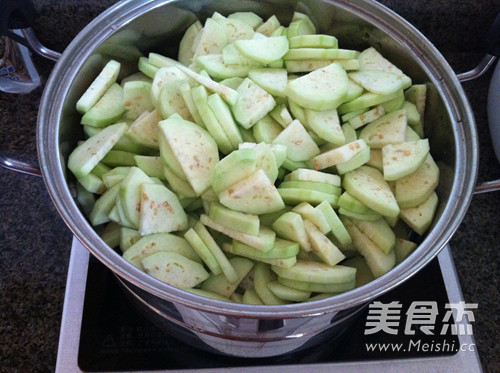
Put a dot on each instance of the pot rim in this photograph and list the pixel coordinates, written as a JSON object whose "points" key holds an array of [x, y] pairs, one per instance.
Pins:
{"points": [[439, 72]]}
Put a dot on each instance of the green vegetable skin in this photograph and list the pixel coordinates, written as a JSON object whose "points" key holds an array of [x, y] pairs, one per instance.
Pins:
{"points": [[258, 162]]}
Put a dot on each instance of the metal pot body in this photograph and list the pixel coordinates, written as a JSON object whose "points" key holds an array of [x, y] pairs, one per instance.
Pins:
{"points": [[248, 330]]}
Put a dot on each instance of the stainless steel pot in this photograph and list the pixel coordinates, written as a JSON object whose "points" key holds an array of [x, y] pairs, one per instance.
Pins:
{"points": [[237, 329]]}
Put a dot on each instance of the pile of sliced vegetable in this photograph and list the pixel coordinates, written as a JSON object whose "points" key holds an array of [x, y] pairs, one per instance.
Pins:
{"points": [[265, 165]]}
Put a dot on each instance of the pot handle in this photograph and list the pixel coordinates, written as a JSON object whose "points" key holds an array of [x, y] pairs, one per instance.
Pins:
{"points": [[19, 15], [492, 49]]}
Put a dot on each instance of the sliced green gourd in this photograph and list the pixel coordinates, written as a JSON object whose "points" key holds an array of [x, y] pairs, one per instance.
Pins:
{"points": [[210, 121], [163, 76], [379, 232], [212, 39], [300, 27], [273, 81], [371, 59], [239, 221], [300, 145], [185, 91], [357, 161], [306, 66], [88, 154], [151, 165], [394, 104], [232, 56], [312, 185], [281, 249], [403, 249], [266, 129], [250, 296], [281, 114], [336, 227], [216, 67], [290, 225], [290, 165], [288, 293], [128, 237], [98, 87], [322, 89], [85, 199], [389, 129], [269, 219], [130, 195], [228, 94], [420, 217], [316, 272], [379, 262], [320, 54], [160, 210], [414, 119], [234, 28], [217, 252], [187, 43], [263, 275], [294, 196], [403, 159], [175, 269], [119, 158], [221, 285], [255, 194], [322, 246], [144, 130], [92, 183], [193, 148], [366, 117], [339, 155], [252, 104], [107, 110], [170, 101], [314, 215], [266, 160], [178, 185], [211, 295], [305, 174], [368, 185], [270, 26], [326, 125], [103, 206], [153, 243], [414, 189], [137, 98], [314, 287], [368, 216], [376, 81], [417, 95], [236, 166], [298, 112], [363, 272], [202, 250], [264, 241], [146, 67], [225, 119], [233, 83], [348, 202], [265, 50], [365, 101], [313, 41], [250, 18], [375, 160], [114, 176]]}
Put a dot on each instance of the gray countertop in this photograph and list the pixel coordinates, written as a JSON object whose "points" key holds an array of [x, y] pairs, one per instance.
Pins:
{"points": [[35, 242]]}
